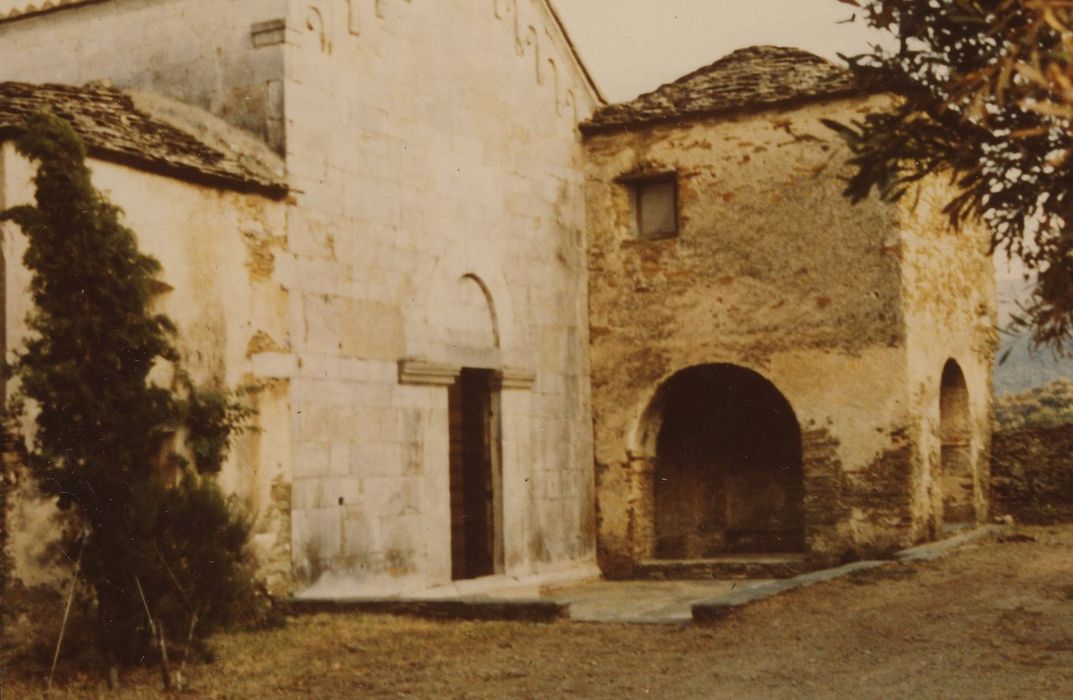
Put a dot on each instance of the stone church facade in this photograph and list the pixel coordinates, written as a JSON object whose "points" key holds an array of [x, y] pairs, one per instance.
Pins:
{"points": [[418, 224]]}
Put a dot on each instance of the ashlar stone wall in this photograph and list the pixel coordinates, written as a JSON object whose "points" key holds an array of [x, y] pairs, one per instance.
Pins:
{"points": [[224, 56], [775, 272], [438, 223]]}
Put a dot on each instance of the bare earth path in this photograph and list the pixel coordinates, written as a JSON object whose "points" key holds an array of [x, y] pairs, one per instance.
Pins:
{"points": [[994, 619]]}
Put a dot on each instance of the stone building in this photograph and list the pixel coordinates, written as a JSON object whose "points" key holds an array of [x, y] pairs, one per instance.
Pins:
{"points": [[427, 268], [774, 370], [210, 208], [419, 223]]}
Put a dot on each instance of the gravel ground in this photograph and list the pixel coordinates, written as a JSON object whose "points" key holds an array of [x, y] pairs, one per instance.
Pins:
{"points": [[993, 619]]}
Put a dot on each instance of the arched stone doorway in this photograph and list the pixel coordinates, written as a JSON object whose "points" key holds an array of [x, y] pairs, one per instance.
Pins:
{"points": [[955, 461], [727, 466]]}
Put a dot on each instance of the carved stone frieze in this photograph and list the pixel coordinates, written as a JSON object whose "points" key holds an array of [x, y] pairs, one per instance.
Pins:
{"points": [[531, 39], [315, 23]]}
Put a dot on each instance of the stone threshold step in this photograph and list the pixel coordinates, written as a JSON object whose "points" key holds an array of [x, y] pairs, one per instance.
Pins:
{"points": [[470, 608], [728, 567]]}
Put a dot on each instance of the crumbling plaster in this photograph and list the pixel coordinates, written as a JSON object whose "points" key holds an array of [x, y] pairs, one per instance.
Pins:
{"points": [[774, 270], [203, 238], [950, 315]]}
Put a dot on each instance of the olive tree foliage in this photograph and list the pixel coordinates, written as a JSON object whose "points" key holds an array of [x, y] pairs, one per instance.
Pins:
{"points": [[985, 97], [1044, 406], [158, 537]]}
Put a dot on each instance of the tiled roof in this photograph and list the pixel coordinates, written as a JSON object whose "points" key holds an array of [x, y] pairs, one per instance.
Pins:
{"points": [[11, 9], [752, 78], [115, 130]]}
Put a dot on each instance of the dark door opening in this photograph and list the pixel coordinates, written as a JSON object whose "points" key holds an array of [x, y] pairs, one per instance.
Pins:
{"points": [[728, 467], [474, 483]]}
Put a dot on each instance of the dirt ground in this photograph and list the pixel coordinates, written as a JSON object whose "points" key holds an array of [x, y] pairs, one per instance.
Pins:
{"points": [[994, 619]]}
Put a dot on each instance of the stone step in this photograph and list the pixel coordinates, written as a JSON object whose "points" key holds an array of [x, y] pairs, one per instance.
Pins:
{"points": [[728, 567]]}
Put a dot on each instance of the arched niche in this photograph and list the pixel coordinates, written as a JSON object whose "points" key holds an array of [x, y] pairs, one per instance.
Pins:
{"points": [[723, 450], [472, 323], [464, 315], [955, 435]]}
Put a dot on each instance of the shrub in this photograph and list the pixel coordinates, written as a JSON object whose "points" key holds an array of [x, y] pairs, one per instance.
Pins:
{"points": [[166, 540], [1041, 407]]}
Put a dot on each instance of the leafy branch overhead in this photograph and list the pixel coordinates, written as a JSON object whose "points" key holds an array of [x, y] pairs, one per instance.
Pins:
{"points": [[985, 97], [101, 425]]}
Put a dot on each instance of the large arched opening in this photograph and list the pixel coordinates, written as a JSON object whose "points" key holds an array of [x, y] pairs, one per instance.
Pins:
{"points": [[956, 467], [727, 472]]}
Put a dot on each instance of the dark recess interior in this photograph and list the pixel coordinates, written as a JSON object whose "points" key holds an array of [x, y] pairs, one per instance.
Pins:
{"points": [[956, 456], [472, 486], [728, 467]]}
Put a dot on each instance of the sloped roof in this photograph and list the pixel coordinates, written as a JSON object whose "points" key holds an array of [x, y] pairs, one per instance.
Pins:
{"points": [[12, 9], [753, 78], [115, 130]]}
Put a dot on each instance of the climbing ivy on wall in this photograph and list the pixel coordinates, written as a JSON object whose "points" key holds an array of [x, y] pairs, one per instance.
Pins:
{"points": [[159, 542]]}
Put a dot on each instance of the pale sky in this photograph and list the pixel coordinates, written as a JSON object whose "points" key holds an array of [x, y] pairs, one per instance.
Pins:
{"points": [[633, 46]]}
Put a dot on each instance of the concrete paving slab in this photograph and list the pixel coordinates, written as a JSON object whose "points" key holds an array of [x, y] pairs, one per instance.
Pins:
{"points": [[641, 602], [617, 602]]}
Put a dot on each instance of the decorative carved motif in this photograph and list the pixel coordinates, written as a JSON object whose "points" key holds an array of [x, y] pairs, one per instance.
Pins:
{"points": [[353, 22], [542, 46], [505, 9], [352, 18], [531, 40], [570, 100], [315, 23]]}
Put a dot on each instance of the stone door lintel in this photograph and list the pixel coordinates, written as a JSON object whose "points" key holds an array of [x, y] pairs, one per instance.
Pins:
{"points": [[423, 372]]}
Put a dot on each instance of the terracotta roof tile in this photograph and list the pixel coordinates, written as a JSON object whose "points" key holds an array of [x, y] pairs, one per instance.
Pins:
{"points": [[115, 130], [752, 78]]}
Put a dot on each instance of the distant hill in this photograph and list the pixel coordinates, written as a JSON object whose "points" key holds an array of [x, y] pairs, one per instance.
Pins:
{"points": [[1023, 368]]}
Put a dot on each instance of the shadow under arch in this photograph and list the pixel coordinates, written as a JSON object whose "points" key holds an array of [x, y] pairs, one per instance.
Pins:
{"points": [[955, 436], [723, 450]]}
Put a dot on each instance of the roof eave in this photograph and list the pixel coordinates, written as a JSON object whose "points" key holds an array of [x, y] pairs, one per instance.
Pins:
{"points": [[192, 174], [186, 173], [589, 129]]}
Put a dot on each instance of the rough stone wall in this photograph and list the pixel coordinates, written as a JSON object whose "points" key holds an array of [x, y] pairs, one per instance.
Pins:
{"points": [[438, 222], [773, 270], [201, 52], [218, 251], [1032, 474], [948, 294]]}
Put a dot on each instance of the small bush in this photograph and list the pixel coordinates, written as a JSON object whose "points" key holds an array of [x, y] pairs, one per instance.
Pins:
{"points": [[155, 542], [1042, 407]]}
